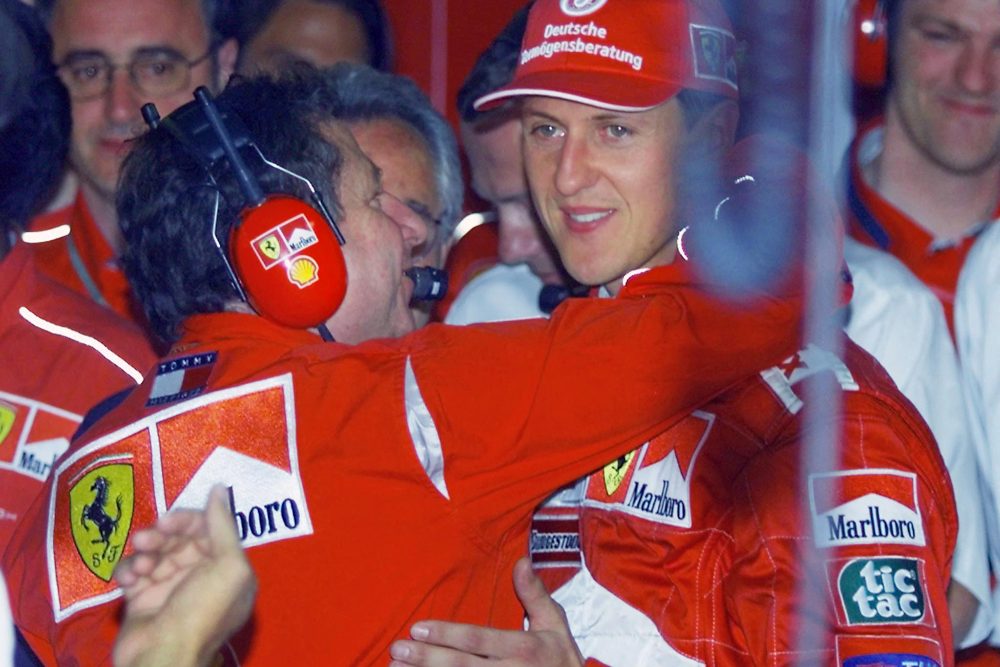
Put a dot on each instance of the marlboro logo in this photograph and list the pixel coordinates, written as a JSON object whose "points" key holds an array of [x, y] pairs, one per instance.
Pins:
{"points": [[243, 437], [865, 507], [654, 482], [283, 241], [33, 435]]}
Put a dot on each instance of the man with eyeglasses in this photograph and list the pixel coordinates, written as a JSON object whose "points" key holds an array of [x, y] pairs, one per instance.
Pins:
{"points": [[114, 56], [413, 146]]}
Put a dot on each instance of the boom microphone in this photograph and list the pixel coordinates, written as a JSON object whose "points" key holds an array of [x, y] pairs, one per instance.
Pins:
{"points": [[429, 284], [551, 296]]}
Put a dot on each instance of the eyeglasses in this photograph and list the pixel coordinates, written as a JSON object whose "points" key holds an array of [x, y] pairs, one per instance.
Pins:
{"points": [[424, 213], [154, 73]]}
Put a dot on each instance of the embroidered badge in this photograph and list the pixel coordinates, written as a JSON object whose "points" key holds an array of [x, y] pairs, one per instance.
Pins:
{"points": [[100, 505]]}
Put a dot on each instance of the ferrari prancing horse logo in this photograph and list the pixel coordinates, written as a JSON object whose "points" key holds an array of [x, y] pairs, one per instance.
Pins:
{"points": [[100, 506], [270, 247], [615, 472], [8, 415]]}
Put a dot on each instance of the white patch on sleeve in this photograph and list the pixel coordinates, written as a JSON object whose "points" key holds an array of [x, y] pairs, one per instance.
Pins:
{"points": [[609, 629], [426, 441]]}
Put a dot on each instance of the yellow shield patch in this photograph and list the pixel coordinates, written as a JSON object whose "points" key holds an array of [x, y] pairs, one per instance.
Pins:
{"points": [[269, 246], [7, 416], [100, 506], [614, 472]]}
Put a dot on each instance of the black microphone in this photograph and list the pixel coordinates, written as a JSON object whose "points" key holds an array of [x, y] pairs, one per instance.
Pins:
{"points": [[552, 295], [429, 284]]}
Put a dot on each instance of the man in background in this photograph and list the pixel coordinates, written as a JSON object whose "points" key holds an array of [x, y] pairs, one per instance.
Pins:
{"points": [[62, 353], [277, 34], [492, 143], [413, 146], [924, 179], [113, 56]]}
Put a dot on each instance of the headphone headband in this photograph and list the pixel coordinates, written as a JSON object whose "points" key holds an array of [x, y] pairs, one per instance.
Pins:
{"points": [[283, 254]]}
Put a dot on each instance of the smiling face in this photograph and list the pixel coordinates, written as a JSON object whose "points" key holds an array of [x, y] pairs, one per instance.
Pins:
{"points": [[121, 30], [377, 227], [497, 167], [945, 91], [603, 183]]}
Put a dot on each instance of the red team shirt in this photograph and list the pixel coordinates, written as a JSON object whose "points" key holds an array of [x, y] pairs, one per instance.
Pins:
{"points": [[48, 380], [82, 260], [354, 528]]}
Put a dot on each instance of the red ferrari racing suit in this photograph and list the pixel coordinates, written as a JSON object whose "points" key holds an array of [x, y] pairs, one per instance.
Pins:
{"points": [[75, 253], [708, 545], [377, 484], [61, 355]]}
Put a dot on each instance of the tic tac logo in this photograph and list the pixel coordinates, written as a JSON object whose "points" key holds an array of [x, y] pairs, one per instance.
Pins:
{"points": [[580, 7], [874, 506], [654, 482], [881, 590]]}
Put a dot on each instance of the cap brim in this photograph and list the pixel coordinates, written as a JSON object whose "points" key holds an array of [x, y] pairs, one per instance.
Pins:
{"points": [[605, 90]]}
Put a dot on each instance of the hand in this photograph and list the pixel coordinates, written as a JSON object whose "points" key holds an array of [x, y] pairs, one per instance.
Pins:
{"points": [[188, 586], [546, 642]]}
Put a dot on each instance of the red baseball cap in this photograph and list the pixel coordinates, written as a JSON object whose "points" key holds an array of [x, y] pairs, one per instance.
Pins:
{"points": [[623, 55]]}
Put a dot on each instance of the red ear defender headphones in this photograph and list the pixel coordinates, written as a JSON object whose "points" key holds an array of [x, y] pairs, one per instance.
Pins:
{"points": [[869, 27], [283, 254]]}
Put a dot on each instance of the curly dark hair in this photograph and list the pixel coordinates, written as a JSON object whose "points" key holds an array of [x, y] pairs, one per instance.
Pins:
{"points": [[166, 198]]}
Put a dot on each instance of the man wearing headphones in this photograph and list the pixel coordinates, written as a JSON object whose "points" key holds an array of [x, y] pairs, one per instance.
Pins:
{"points": [[924, 179], [712, 543], [371, 480]]}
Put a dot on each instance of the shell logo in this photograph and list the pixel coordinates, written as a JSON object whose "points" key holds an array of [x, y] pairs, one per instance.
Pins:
{"points": [[303, 272]]}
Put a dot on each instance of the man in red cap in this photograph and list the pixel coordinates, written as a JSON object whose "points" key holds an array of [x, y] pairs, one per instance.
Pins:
{"points": [[710, 543]]}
